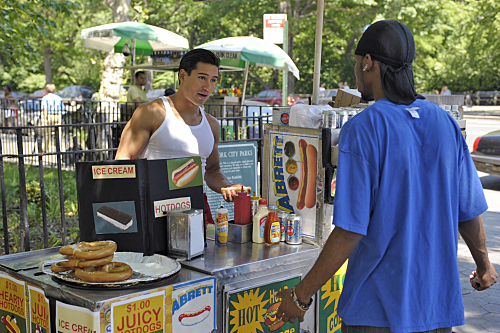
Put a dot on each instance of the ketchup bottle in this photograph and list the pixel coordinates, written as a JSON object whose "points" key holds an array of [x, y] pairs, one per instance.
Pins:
{"points": [[272, 228], [242, 213]]}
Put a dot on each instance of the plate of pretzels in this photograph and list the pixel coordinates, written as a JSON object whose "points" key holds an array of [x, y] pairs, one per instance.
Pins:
{"points": [[98, 264]]}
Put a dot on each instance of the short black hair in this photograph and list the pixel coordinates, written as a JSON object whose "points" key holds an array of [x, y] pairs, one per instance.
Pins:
{"points": [[191, 59], [169, 92], [139, 73]]}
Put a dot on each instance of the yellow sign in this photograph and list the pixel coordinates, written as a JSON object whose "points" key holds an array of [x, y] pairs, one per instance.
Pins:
{"points": [[12, 304], [75, 319], [39, 310], [143, 314], [330, 294], [113, 171]]}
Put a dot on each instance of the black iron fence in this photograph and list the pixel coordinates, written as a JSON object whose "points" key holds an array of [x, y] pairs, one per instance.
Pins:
{"points": [[37, 180]]}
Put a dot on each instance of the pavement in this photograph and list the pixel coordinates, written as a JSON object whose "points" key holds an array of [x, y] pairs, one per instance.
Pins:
{"points": [[482, 111], [482, 308]]}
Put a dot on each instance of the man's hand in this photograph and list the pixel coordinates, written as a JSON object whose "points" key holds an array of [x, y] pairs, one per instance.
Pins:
{"points": [[483, 279], [288, 310], [230, 192]]}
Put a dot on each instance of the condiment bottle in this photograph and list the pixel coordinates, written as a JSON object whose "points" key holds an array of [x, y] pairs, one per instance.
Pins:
{"points": [[272, 227], [242, 214], [254, 200], [259, 221]]}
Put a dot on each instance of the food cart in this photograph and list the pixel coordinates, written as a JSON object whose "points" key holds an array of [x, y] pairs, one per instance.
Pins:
{"points": [[226, 289]]}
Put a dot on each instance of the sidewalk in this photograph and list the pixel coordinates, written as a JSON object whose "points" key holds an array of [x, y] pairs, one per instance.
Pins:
{"points": [[482, 110], [482, 308]]}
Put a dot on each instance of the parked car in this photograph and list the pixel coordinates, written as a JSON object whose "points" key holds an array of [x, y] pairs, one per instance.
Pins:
{"points": [[154, 94], [76, 93], [273, 97], [486, 153], [325, 96]]}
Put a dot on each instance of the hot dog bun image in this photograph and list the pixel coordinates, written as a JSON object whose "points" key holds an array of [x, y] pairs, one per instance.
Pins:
{"points": [[270, 319], [184, 174], [312, 161], [301, 201], [196, 317]]}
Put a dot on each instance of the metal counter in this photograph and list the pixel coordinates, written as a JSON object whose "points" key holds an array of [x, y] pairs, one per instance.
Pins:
{"points": [[24, 266], [238, 266]]}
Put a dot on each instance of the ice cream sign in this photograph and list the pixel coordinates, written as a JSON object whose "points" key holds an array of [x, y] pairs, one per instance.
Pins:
{"points": [[193, 306]]}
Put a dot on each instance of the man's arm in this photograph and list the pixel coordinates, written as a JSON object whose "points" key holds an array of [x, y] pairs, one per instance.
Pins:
{"points": [[136, 133], [472, 232], [339, 246], [214, 177]]}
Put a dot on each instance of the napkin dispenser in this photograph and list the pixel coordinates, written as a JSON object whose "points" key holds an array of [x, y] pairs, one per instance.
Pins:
{"points": [[186, 238]]}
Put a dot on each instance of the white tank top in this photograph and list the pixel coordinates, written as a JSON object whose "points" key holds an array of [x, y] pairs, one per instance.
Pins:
{"points": [[175, 139]]}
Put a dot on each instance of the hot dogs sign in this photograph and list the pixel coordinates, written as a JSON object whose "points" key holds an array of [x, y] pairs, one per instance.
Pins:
{"points": [[193, 306], [293, 176]]}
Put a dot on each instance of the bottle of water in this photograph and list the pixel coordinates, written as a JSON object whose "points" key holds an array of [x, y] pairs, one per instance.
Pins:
{"points": [[447, 108], [455, 112]]}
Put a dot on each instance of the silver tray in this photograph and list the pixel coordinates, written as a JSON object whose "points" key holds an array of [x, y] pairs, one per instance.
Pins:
{"points": [[146, 269]]}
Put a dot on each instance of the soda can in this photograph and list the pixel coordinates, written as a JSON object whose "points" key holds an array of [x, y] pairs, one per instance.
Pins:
{"points": [[329, 119], [283, 216], [221, 227], [343, 118], [294, 229]]}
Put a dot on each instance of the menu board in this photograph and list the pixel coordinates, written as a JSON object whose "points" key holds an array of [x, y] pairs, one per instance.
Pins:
{"points": [[12, 305]]}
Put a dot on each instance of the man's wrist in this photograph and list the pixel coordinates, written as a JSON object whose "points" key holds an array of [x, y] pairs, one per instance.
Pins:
{"points": [[301, 295]]}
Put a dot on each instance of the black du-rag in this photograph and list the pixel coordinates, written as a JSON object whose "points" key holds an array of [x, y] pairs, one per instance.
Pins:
{"points": [[391, 43]]}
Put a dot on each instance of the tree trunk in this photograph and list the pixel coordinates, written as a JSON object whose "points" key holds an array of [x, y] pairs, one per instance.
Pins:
{"points": [[114, 62], [149, 76], [47, 62]]}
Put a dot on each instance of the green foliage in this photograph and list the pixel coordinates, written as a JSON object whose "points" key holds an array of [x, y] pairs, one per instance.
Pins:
{"points": [[34, 198], [456, 41]]}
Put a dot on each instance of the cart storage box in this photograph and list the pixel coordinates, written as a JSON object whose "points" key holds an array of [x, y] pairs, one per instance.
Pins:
{"points": [[346, 97], [127, 200]]}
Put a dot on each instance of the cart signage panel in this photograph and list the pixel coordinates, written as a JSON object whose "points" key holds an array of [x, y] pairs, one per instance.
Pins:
{"points": [[39, 310], [294, 183], [254, 310], [75, 319], [194, 306], [140, 314], [328, 300], [113, 171], [12, 304]]}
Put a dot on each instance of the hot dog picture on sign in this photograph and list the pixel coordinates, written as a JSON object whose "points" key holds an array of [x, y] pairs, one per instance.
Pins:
{"points": [[293, 176], [184, 172], [193, 307]]}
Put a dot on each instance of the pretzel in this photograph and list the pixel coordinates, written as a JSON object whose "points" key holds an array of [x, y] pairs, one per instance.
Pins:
{"points": [[115, 271], [57, 268], [94, 250]]}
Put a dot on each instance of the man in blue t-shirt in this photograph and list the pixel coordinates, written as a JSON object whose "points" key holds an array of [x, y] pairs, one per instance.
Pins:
{"points": [[406, 186], [52, 106]]}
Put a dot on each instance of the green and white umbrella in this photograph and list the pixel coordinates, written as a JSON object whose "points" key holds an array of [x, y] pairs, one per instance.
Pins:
{"points": [[142, 37], [240, 52]]}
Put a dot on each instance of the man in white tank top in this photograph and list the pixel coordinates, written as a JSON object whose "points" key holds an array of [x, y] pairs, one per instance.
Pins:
{"points": [[176, 126]]}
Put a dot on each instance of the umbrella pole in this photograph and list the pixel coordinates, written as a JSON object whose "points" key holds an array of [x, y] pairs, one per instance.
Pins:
{"points": [[132, 79], [317, 51], [245, 79]]}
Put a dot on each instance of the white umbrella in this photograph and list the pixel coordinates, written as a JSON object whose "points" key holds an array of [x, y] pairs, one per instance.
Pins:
{"points": [[240, 52]]}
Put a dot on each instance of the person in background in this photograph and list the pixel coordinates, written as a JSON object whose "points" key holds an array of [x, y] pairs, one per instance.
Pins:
{"points": [[135, 92], [177, 126], [52, 106], [169, 92], [436, 92], [341, 84], [322, 87], [9, 107], [445, 91], [345, 86], [405, 178]]}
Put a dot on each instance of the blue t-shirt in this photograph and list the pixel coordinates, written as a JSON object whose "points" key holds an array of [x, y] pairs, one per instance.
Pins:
{"points": [[53, 103], [404, 182]]}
